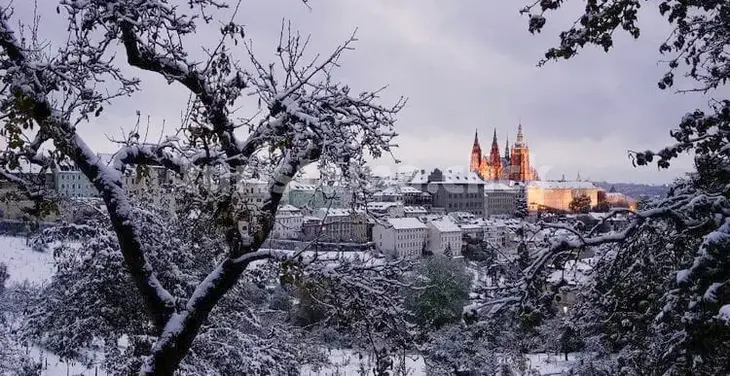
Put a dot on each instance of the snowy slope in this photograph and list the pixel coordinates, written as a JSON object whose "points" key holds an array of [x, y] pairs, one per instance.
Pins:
{"points": [[23, 263]]}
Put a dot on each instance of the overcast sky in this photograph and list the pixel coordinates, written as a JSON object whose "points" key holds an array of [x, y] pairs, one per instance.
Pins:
{"points": [[464, 65]]}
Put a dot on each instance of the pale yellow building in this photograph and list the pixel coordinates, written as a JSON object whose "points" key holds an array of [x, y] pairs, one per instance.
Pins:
{"points": [[557, 195]]}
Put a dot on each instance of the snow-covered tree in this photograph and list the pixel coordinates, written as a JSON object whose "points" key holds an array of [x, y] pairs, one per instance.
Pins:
{"points": [[359, 298], [459, 350], [306, 117], [14, 360], [86, 305], [440, 291], [662, 292]]}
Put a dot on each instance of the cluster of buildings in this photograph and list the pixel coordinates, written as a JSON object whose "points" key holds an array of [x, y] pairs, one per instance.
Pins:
{"points": [[435, 213], [510, 178], [423, 211]]}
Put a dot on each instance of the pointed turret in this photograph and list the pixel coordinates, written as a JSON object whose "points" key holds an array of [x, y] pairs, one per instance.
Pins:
{"points": [[494, 152], [520, 136], [495, 160], [506, 148], [577, 178], [476, 154]]}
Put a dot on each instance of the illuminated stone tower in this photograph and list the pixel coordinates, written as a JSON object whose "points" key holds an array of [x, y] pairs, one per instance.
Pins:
{"points": [[476, 154], [495, 161], [520, 169]]}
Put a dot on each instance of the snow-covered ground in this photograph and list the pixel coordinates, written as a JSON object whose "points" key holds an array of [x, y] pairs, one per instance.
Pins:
{"points": [[349, 363], [345, 362], [24, 264], [53, 366]]}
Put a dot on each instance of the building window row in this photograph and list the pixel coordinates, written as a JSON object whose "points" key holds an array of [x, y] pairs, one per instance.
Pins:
{"points": [[463, 195]]}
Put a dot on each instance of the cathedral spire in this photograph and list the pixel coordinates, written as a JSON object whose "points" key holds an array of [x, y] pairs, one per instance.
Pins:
{"points": [[506, 148], [494, 140], [476, 154], [520, 135]]}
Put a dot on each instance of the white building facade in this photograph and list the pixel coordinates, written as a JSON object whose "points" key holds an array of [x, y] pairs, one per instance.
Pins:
{"points": [[254, 192], [444, 234], [405, 237], [288, 224], [72, 183]]}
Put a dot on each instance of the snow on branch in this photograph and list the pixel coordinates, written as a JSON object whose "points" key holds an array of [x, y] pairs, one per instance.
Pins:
{"points": [[309, 118], [30, 87], [679, 209]]}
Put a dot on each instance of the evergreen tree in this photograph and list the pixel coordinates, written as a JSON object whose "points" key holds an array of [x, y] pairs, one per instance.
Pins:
{"points": [[580, 204], [441, 288]]}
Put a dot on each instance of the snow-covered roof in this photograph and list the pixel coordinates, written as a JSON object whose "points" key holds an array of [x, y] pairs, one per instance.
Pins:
{"points": [[562, 184], [288, 209], [471, 226], [398, 190], [28, 168], [496, 222], [334, 212], [574, 273], [378, 205], [462, 216], [497, 186], [406, 223], [445, 225], [449, 177], [415, 209]]}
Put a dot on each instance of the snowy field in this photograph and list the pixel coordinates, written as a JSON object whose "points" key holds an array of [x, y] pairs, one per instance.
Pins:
{"points": [[24, 264], [349, 363]]}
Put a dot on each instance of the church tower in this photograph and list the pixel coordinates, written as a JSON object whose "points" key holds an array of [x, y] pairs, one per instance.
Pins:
{"points": [[506, 149], [495, 161], [476, 154], [520, 169]]}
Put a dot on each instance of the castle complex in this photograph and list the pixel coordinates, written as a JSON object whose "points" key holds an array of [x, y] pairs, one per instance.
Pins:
{"points": [[515, 165]]}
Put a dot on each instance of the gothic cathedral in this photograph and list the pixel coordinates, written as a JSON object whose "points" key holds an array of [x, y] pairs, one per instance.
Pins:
{"points": [[515, 165]]}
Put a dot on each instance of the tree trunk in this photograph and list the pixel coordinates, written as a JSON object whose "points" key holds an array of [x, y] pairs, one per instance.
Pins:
{"points": [[182, 328]]}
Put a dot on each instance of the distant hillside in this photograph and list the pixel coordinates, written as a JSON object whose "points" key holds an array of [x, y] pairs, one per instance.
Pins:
{"points": [[635, 190]]}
